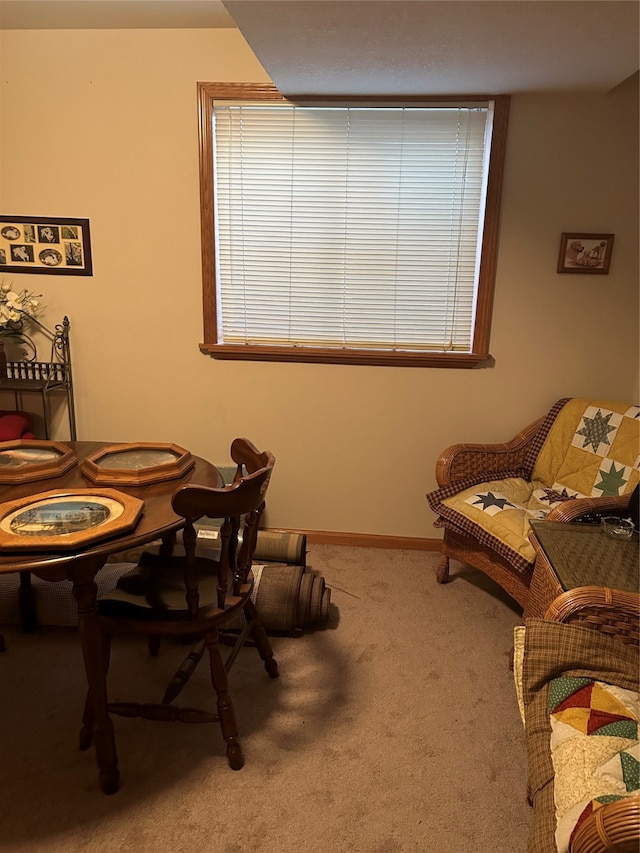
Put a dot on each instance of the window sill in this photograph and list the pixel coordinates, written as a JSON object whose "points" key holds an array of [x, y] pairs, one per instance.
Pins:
{"points": [[326, 355]]}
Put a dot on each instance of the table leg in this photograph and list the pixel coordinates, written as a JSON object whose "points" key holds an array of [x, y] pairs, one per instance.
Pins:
{"points": [[169, 541], [85, 591], [27, 604]]}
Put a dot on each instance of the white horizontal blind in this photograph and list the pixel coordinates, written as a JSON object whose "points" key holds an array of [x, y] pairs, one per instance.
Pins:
{"points": [[349, 227]]}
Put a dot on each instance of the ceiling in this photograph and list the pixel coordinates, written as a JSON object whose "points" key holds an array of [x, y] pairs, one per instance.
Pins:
{"points": [[351, 47], [112, 14], [435, 47]]}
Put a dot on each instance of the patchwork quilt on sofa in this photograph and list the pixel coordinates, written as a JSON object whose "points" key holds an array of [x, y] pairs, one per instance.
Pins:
{"points": [[586, 448], [578, 695], [594, 748]]}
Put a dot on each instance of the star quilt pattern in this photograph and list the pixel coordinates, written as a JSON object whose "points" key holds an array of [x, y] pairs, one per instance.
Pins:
{"points": [[594, 748], [593, 450]]}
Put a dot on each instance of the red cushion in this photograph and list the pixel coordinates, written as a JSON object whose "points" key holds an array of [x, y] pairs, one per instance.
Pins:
{"points": [[14, 426]]}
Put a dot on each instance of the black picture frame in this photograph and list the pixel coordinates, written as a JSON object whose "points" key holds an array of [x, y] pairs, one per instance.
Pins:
{"points": [[45, 245]]}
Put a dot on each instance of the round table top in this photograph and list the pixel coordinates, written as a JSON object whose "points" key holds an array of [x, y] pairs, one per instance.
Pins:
{"points": [[157, 519]]}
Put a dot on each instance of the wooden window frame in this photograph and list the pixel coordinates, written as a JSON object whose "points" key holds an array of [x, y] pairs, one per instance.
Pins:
{"points": [[479, 356]]}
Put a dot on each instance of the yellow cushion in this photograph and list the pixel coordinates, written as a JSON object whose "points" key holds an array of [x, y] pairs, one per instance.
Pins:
{"points": [[503, 508]]}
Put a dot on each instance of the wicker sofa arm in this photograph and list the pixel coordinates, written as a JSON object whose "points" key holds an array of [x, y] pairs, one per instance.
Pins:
{"points": [[612, 612], [582, 508], [463, 460], [614, 827]]}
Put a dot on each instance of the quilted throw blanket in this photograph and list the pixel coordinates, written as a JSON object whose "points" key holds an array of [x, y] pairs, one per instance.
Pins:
{"points": [[587, 448], [594, 748], [593, 449]]}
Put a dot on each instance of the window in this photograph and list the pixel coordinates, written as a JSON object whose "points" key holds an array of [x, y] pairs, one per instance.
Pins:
{"points": [[349, 232]]}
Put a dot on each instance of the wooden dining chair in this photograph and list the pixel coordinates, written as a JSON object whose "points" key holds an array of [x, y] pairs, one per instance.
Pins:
{"points": [[192, 595]]}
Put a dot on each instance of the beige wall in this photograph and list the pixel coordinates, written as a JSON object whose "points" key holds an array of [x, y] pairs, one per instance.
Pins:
{"points": [[102, 124]]}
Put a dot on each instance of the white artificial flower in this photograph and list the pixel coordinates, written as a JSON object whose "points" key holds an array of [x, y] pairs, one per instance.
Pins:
{"points": [[14, 307]]}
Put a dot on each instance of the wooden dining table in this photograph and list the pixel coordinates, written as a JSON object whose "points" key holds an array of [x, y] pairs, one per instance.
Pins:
{"points": [[82, 564]]}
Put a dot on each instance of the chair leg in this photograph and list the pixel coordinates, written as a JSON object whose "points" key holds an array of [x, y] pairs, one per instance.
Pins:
{"points": [[85, 738], [3, 645], [225, 706], [261, 639], [442, 573], [183, 673]]}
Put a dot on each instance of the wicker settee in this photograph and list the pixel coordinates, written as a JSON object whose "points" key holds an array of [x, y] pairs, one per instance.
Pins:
{"points": [[576, 675], [580, 459]]}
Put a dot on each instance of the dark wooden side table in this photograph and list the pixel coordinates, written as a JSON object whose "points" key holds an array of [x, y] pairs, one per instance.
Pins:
{"points": [[573, 556]]}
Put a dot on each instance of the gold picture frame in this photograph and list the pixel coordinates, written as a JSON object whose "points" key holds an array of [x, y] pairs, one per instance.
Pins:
{"points": [[45, 244], [27, 459], [582, 253], [61, 520], [137, 464]]}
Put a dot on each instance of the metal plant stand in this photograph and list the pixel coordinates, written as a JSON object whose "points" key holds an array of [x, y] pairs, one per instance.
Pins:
{"points": [[29, 375]]}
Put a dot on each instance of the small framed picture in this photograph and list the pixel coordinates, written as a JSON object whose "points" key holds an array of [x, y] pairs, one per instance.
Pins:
{"points": [[62, 521], [24, 460], [137, 464], [585, 253]]}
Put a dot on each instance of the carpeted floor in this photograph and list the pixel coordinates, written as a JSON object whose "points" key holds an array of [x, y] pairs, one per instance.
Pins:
{"points": [[394, 729]]}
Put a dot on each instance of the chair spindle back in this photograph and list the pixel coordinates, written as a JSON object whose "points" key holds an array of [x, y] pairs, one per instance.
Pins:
{"points": [[240, 505]]}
